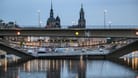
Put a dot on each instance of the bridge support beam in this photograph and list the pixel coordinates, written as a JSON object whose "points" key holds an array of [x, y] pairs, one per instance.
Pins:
{"points": [[123, 51], [10, 50]]}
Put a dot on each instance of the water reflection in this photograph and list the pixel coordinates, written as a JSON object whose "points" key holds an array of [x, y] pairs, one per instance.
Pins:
{"points": [[70, 69], [132, 62]]}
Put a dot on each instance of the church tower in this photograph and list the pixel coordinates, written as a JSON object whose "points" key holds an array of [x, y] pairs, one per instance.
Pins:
{"points": [[52, 22], [82, 21], [58, 22]]}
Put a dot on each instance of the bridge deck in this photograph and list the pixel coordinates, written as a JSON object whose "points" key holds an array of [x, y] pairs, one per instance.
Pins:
{"points": [[14, 51], [131, 33]]}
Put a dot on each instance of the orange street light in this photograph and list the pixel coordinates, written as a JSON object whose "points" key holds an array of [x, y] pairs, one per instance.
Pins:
{"points": [[136, 33], [18, 33]]}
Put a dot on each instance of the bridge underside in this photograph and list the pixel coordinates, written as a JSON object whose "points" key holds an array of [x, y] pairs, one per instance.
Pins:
{"points": [[16, 52], [123, 50]]}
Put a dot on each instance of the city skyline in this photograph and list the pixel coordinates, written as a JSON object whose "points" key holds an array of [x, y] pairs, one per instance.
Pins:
{"points": [[25, 12]]}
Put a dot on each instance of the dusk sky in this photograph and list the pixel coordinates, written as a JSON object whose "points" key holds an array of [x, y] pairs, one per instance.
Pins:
{"points": [[24, 12]]}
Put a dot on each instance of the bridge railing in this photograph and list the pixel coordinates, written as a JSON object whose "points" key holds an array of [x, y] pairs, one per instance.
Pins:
{"points": [[87, 27], [115, 47]]}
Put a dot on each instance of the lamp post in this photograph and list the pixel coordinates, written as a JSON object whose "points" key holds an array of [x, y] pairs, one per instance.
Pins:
{"points": [[87, 35], [109, 22], [73, 23], [105, 12], [39, 22]]}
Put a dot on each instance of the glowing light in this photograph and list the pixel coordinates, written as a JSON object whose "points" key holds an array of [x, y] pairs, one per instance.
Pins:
{"points": [[5, 64], [18, 33], [136, 33], [81, 57], [76, 33]]}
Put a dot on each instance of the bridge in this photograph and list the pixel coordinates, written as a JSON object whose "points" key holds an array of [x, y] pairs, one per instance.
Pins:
{"points": [[77, 32], [123, 50], [10, 50]]}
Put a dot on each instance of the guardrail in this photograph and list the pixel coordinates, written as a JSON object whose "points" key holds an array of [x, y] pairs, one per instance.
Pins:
{"points": [[87, 27], [90, 27]]}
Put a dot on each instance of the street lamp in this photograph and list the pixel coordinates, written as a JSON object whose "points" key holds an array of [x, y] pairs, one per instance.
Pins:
{"points": [[136, 33], [73, 22], [76, 33], [18, 33], [105, 12], [109, 22], [39, 22]]}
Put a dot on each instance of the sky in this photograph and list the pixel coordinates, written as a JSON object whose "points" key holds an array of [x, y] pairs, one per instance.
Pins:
{"points": [[25, 12]]}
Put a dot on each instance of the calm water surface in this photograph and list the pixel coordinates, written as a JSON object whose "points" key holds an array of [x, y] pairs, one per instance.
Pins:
{"points": [[70, 69]]}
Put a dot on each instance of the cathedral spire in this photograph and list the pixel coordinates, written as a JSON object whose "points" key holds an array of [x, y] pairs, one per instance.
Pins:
{"points": [[51, 5], [81, 12], [82, 21], [51, 11], [81, 5]]}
